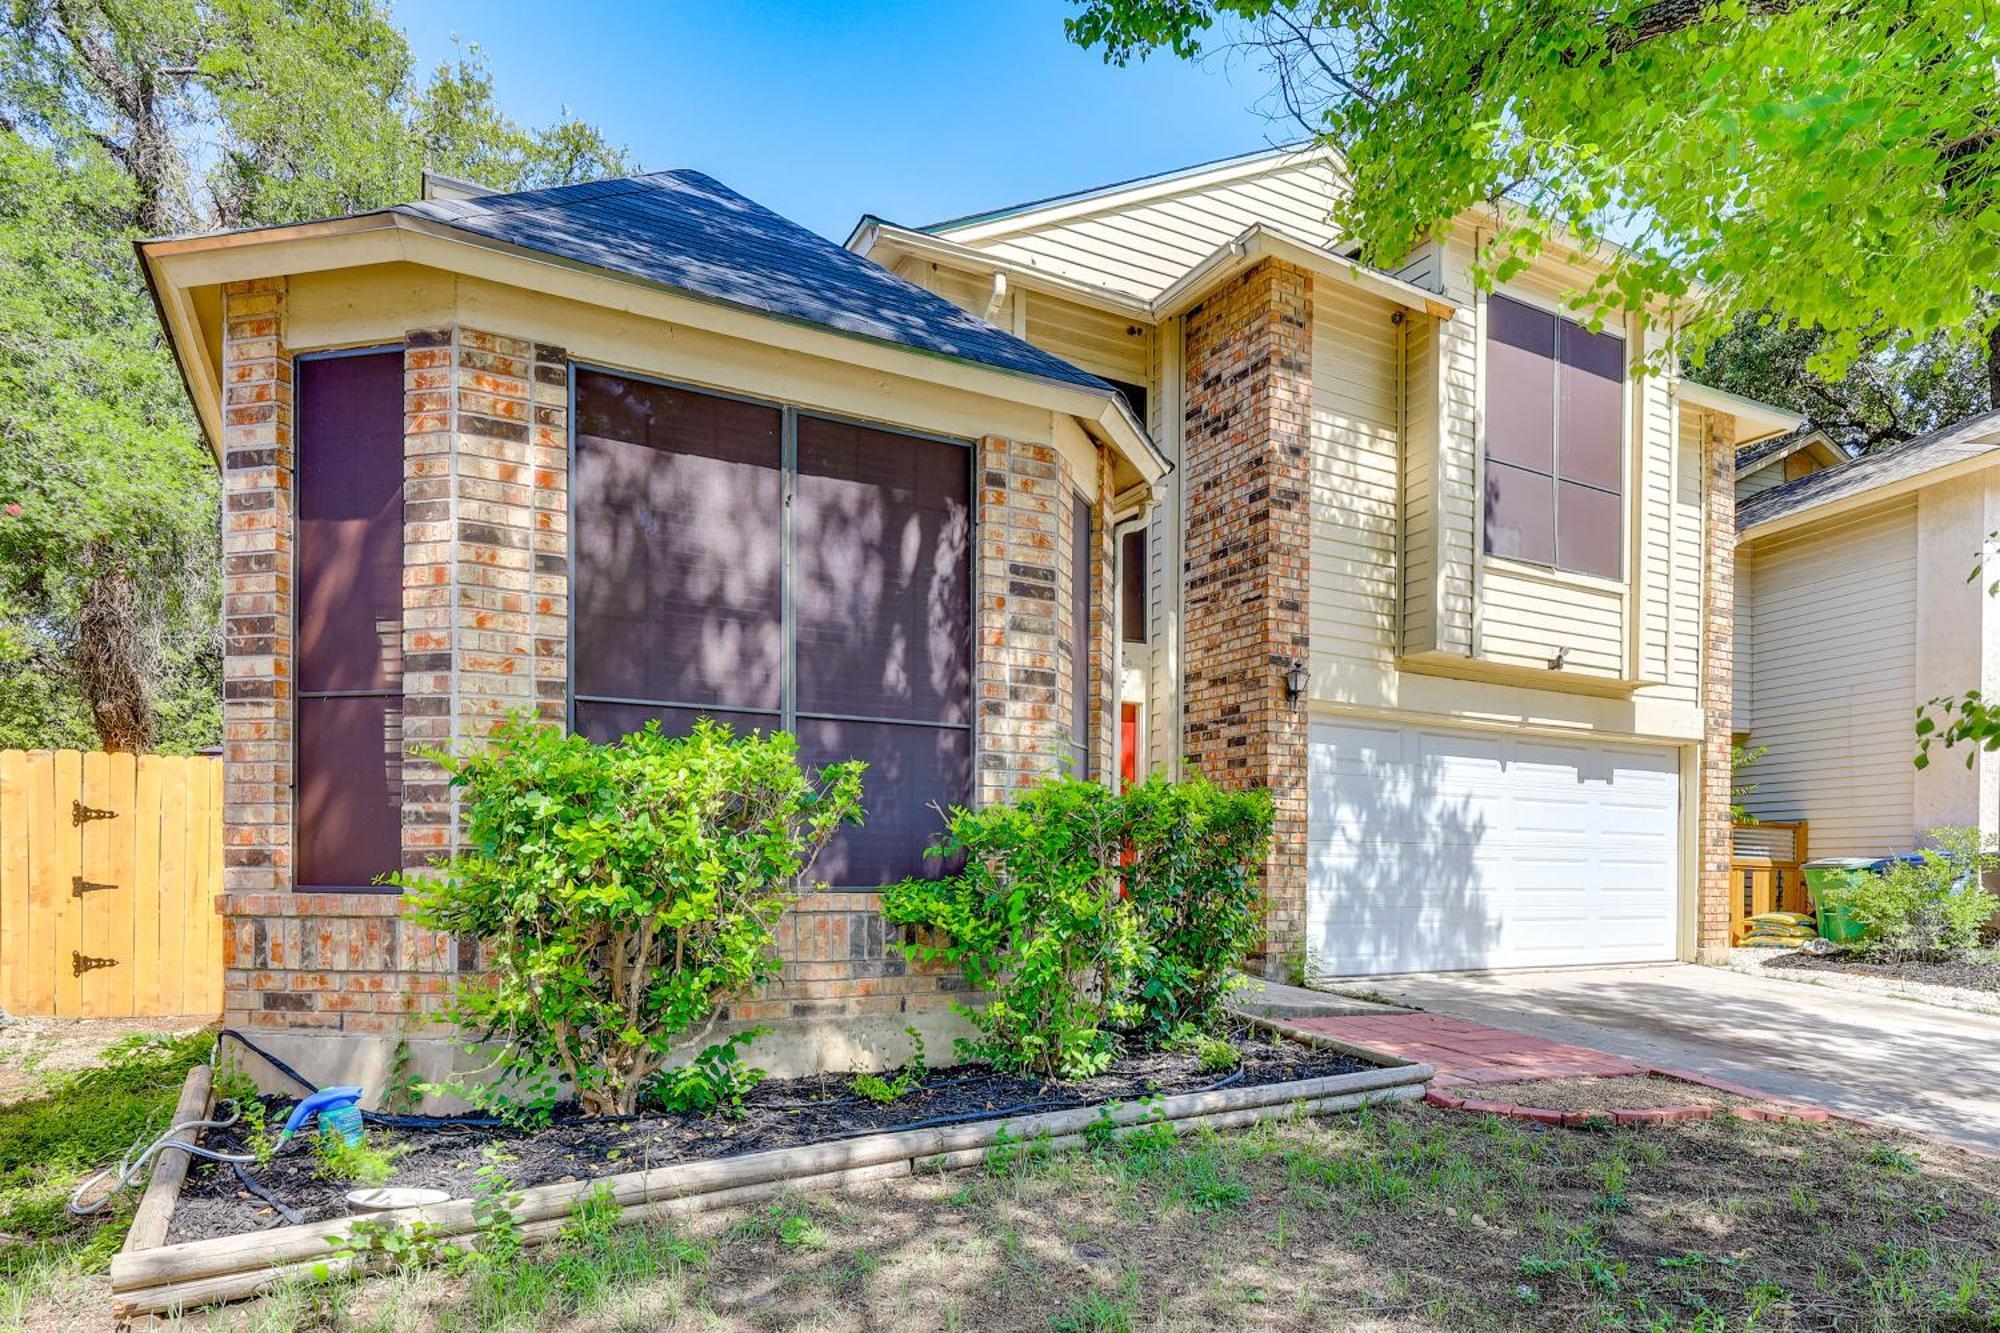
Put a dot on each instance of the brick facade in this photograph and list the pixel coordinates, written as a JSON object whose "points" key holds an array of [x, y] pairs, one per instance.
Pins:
{"points": [[1718, 671], [485, 633], [1247, 462]]}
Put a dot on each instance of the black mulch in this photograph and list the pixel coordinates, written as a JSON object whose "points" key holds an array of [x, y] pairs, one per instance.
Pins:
{"points": [[780, 1113], [1969, 974]]}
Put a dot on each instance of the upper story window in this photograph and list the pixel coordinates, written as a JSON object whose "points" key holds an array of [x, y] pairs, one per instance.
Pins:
{"points": [[1555, 433]]}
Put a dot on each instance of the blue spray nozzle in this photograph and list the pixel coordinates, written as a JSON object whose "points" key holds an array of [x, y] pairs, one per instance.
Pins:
{"points": [[338, 1109]]}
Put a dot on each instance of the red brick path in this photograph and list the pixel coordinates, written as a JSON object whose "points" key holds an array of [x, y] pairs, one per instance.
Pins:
{"points": [[1465, 1054]]}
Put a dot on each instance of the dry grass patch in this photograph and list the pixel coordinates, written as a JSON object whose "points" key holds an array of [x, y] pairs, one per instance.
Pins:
{"points": [[1632, 1092], [1404, 1219]]}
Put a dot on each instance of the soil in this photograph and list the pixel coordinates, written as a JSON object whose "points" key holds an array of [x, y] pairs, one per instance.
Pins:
{"points": [[780, 1113], [1967, 974], [1621, 1093], [32, 1049]]}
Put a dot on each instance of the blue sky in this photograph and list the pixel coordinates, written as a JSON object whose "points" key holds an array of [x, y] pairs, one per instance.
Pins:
{"points": [[823, 111]]}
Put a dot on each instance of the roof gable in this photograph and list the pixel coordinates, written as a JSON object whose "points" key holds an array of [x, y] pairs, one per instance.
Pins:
{"points": [[1973, 440], [1140, 237], [687, 231]]}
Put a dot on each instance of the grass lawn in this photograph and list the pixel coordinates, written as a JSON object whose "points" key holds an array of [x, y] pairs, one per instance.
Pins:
{"points": [[1411, 1218], [73, 1097]]}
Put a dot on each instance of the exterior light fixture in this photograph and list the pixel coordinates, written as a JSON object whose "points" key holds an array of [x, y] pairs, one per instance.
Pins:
{"points": [[1296, 679], [1561, 657]]}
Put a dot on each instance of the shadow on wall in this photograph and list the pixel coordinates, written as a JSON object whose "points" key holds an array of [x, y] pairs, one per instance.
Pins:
{"points": [[1393, 879]]}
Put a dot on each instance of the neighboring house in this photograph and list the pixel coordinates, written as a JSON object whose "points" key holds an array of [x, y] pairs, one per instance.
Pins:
{"points": [[1771, 463], [1486, 538], [1855, 606], [1093, 484]]}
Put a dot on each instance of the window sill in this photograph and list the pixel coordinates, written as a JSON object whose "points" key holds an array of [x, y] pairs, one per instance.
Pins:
{"points": [[1549, 574]]}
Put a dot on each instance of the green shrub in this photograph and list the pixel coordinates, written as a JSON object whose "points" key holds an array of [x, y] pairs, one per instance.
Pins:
{"points": [[622, 892], [881, 1090], [715, 1080], [1930, 911], [1037, 920], [1194, 851]]}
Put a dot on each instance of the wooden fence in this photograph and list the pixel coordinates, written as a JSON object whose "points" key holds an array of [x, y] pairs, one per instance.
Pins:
{"points": [[1764, 872], [109, 869]]}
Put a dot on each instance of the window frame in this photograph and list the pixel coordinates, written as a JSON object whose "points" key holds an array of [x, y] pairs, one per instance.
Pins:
{"points": [[788, 716], [1552, 568], [401, 349]]}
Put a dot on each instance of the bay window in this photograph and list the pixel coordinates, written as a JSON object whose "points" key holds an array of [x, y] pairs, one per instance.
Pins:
{"points": [[775, 569]]}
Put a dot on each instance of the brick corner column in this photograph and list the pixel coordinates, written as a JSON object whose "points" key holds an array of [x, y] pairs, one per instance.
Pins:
{"points": [[1718, 666], [1247, 461], [1022, 664], [257, 537]]}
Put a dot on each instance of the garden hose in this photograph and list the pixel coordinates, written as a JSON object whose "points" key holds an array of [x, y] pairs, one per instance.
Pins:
{"points": [[133, 1163]]}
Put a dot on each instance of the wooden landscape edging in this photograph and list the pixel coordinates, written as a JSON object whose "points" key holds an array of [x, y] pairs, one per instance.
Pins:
{"points": [[167, 1278]]}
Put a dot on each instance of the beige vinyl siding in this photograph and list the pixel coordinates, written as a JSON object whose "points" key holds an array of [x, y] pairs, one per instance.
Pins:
{"points": [[1650, 511], [1458, 499], [1743, 645], [1420, 472], [1355, 500], [1100, 343], [1527, 614], [1833, 636], [1142, 248], [1759, 480], [1688, 523]]}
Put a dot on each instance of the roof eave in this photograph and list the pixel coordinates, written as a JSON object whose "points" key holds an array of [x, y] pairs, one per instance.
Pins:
{"points": [[1259, 241], [1761, 420], [389, 236], [1893, 489]]}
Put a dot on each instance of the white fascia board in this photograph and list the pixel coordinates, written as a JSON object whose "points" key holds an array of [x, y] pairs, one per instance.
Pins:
{"points": [[1755, 421], [1261, 241], [873, 236]]}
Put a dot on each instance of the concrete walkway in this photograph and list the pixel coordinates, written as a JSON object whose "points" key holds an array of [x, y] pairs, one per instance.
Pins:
{"points": [[1931, 1070]]}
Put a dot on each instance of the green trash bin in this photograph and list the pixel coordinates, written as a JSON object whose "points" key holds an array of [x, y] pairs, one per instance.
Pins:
{"points": [[1830, 879]]}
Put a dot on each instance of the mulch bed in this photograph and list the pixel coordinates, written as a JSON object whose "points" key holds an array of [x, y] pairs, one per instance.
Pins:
{"points": [[1973, 974], [780, 1113]]}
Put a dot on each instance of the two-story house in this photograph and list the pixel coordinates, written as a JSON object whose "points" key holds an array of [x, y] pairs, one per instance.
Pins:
{"points": [[1133, 479]]}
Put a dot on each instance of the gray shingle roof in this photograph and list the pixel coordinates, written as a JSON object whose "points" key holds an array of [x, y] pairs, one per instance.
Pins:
{"points": [[1973, 437], [1750, 455], [688, 231]]}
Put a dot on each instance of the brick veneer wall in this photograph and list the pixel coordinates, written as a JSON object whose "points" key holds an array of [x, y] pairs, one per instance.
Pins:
{"points": [[485, 616], [1718, 669], [1248, 369]]}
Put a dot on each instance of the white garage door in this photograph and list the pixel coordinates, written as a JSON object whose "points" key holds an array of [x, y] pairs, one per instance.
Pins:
{"points": [[1433, 850]]}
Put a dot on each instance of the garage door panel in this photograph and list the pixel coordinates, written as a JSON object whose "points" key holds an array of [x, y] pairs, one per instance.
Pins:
{"points": [[1435, 849]]}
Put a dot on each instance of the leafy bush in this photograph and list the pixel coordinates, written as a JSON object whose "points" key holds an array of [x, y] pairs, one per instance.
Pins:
{"points": [[361, 1162], [1037, 920], [715, 1080], [1929, 911], [1193, 854], [622, 892]]}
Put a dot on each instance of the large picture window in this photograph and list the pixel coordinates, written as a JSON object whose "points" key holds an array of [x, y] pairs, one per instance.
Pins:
{"points": [[1555, 413], [349, 497], [775, 569]]}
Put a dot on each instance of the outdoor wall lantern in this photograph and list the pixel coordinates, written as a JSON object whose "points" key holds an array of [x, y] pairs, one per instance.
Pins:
{"points": [[1296, 679]]}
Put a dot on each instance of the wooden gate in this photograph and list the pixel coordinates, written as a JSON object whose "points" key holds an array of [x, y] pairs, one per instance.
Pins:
{"points": [[109, 869]]}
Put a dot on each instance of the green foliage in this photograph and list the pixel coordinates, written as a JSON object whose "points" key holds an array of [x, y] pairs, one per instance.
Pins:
{"points": [[494, 1201], [1740, 758], [911, 1077], [403, 1089], [1035, 919], [363, 1162], [715, 1080], [382, 1244], [1930, 911], [594, 1218], [622, 892], [789, 1223], [1214, 1055], [125, 118], [81, 1121], [1084, 911], [1832, 160], [1191, 872]]}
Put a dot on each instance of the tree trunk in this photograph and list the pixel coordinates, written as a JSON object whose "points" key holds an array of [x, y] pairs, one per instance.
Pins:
{"points": [[1993, 366], [112, 662]]}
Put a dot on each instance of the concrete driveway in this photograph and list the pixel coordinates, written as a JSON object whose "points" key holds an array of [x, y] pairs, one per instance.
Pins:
{"points": [[1936, 1071]]}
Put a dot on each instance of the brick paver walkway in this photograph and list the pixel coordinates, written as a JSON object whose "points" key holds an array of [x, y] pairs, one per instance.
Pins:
{"points": [[1467, 1054]]}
